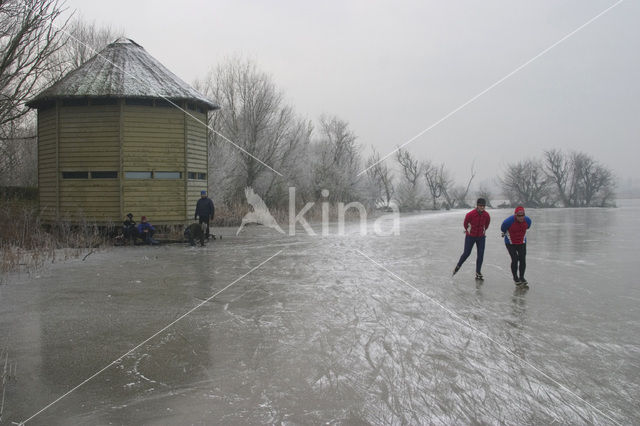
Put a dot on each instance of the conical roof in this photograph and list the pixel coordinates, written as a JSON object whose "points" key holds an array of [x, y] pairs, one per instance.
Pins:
{"points": [[123, 69]]}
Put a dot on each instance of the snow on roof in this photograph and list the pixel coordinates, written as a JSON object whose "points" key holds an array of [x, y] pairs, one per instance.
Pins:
{"points": [[122, 69]]}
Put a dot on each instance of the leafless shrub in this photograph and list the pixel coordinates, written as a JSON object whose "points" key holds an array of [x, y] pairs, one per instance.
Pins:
{"points": [[578, 179], [380, 185], [525, 183], [410, 193], [255, 118]]}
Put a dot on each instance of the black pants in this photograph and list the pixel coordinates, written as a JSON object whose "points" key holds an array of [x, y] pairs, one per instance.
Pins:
{"points": [[205, 220], [518, 253], [130, 233], [147, 237], [468, 246]]}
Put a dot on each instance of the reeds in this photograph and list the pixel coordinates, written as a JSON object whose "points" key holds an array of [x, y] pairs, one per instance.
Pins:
{"points": [[26, 244]]}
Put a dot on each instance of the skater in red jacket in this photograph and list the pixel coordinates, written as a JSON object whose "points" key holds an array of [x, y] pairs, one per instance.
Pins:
{"points": [[476, 223], [514, 230]]}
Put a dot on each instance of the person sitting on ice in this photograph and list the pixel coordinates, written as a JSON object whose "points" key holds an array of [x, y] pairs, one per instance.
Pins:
{"points": [[194, 231], [146, 231]]}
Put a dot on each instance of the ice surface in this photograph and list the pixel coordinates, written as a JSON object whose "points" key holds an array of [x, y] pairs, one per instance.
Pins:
{"points": [[320, 334]]}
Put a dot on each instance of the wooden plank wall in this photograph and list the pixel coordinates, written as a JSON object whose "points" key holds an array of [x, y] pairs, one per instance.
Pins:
{"points": [[89, 141], [154, 141], [47, 175], [197, 159]]}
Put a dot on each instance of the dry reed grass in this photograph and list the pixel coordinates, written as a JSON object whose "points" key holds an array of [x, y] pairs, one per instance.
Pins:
{"points": [[26, 244]]}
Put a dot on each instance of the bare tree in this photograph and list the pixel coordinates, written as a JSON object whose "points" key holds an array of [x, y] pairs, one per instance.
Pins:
{"points": [[591, 181], [525, 183], [558, 170], [446, 182], [433, 176], [29, 40], [460, 193], [579, 180], [85, 40], [380, 180], [336, 160], [431, 172], [18, 155], [266, 133], [409, 193]]}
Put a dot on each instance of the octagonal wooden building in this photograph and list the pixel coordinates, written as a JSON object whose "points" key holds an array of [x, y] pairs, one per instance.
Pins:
{"points": [[121, 134]]}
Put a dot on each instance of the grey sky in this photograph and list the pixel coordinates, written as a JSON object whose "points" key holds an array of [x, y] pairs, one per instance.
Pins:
{"points": [[391, 69]]}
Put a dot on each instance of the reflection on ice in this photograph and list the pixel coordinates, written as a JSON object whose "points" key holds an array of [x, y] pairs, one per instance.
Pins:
{"points": [[322, 334]]}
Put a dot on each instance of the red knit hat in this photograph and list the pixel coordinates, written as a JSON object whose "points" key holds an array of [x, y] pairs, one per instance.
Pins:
{"points": [[143, 218], [519, 209]]}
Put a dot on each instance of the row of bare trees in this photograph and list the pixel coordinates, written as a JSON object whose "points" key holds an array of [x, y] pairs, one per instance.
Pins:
{"points": [[426, 184], [571, 179], [257, 139]]}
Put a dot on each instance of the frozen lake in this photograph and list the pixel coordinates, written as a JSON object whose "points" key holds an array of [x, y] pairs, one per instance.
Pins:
{"points": [[335, 330]]}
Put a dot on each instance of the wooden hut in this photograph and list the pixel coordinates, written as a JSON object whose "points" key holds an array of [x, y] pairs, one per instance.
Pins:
{"points": [[121, 134]]}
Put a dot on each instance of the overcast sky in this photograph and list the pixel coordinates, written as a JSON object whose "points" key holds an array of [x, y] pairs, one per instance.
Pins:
{"points": [[392, 69]]}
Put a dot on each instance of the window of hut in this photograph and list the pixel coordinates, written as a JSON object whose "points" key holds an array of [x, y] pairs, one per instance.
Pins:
{"points": [[167, 175], [104, 175], [137, 175], [75, 175]]}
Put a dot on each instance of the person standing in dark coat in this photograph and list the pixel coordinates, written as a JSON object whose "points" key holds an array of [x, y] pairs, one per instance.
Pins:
{"points": [[476, 223], [204, 210]]}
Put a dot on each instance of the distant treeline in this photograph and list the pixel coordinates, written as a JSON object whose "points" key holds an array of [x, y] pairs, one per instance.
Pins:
{"points": [[257, 140]]}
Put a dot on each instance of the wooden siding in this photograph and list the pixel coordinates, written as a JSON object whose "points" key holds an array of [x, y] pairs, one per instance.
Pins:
{"points": [[47, 174], [197, 159], [89, 141], [120, 138], [196, 142], [92, 199], [89, 138], [162, 201], [153, 139]]}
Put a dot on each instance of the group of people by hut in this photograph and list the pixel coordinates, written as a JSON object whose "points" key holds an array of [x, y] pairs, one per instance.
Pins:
{"points": [[131, 231], [144, 231]]}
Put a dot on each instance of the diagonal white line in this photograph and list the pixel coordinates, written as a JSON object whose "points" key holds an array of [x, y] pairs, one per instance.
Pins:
{"points": [[226, 139], [474, 98], [477, 330], [117, 360]]}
